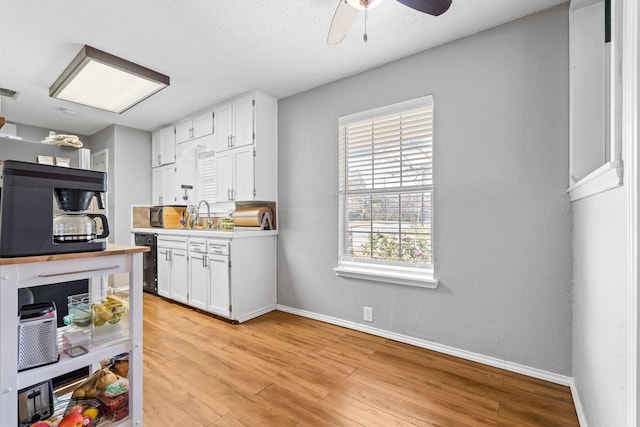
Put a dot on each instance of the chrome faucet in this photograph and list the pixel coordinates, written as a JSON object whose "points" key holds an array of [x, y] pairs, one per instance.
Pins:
{"points": [[209, 223]]}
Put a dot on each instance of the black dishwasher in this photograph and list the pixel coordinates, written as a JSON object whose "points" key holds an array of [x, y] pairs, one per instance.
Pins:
{"points": [[149, 261]]}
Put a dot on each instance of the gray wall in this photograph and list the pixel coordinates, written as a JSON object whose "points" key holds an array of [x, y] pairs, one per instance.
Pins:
{"points": [[502, 216], [129, 175]]}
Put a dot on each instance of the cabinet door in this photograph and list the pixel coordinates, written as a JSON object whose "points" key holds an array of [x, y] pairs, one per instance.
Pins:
{"points": [[224, 173], [168, 189], [203, 125], [243, 121], [156, 185], [199, 280], [184, 131], [163, 147], [219, 294], [155, 149], [243, 172], [163, 185], [186, 172], [179, 276], [224, 126], [164, 272]]}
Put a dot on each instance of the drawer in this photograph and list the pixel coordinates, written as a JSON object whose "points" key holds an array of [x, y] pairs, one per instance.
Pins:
{"points": [[172, 242], [198, 246], [219, 247]]}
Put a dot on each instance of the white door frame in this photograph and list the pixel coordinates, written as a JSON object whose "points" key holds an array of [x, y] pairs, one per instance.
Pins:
{"points": [[630, 123]]}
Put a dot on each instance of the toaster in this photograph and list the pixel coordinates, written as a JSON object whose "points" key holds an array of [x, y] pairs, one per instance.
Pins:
{"points": [[35, 403], [37, 335]]}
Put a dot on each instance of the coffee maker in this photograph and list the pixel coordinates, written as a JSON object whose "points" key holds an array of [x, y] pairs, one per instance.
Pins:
{"points": [[28, 225]]}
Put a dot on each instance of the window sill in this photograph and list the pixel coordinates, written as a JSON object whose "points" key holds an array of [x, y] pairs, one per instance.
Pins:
{"points": [[399, 276], [606, 177]]}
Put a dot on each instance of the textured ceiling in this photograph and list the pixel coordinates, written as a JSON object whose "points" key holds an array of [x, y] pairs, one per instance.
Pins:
{"points": [[212, 49]]}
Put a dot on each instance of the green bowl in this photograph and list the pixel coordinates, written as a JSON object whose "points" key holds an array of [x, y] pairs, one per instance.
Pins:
{"points": [[81, 319]]}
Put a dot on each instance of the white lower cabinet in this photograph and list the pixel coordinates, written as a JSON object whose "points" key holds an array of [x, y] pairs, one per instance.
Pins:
{"points": [[219, 285], [164, 272], [173, 270], [230, 276], [179, 276]]}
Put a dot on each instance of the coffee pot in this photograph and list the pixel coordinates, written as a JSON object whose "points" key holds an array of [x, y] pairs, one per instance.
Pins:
{"points": [[78, 227], [75, 224]]}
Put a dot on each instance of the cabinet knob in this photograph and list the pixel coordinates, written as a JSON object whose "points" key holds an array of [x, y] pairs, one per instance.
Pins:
{"points": [[9, 390], [4, 277]]}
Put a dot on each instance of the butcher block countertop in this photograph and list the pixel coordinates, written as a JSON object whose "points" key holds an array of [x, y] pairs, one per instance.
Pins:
{"points": [[111, 250]]}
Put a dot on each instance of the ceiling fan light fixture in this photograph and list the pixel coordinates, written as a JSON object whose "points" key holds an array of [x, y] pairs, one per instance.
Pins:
{"points": [[101, 80], [363, 4]]}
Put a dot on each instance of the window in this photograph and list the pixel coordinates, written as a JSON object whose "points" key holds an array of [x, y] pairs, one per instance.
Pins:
{"points": [[595, 98], [207, 177], [386, 194]]}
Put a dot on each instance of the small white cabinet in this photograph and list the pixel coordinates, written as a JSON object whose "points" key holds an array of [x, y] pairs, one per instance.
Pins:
{"points": [[173, 270], [163, 185], [236, 174], [196, 127], [186, 172], [198, 273], [219, 286], [163, 147], [235, 123]]}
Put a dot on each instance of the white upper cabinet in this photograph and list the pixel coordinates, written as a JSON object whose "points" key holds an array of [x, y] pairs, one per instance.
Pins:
{"points": [[183, 131], [164, 191], [224, 123], [229, 153], [163, 147], [195, 127], [236, 175], [247, 150], [243, 112], [186, 172], [235, 121], [203, 125]]}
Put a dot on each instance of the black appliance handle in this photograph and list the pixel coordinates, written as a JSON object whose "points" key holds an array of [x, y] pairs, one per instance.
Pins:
{"points": [[105, 224]]}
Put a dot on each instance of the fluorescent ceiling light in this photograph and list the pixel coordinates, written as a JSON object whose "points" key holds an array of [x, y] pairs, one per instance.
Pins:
{"points": [[101, 80]]}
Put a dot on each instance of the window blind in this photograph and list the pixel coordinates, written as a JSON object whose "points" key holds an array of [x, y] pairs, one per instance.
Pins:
{"points": [[207, 178], [386, 185]]}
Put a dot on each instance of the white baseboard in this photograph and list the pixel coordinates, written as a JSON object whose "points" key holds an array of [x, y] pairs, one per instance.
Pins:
{"points": [[429, 345], [582, 419]]}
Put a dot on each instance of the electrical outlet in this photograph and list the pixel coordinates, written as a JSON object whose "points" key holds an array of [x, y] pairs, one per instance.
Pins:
{"points": [[368, 314]]}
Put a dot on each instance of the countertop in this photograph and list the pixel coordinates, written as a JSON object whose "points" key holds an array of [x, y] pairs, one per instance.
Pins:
{"points": [[111, 250], [237, 233]]}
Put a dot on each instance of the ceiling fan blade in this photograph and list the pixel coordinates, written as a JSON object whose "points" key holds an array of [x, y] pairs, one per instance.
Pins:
{"points": [[341, 23], [431, 7]]}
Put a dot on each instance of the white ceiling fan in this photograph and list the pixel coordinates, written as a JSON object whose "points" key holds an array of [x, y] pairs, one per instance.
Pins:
{"points": [[348, 10]]}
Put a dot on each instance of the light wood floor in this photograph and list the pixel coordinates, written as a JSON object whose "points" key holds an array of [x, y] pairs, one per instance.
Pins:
{"points": [[284, 370]]}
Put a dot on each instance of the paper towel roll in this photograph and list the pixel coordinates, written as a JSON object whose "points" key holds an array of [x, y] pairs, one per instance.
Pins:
{"points": [[249, 217]]}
